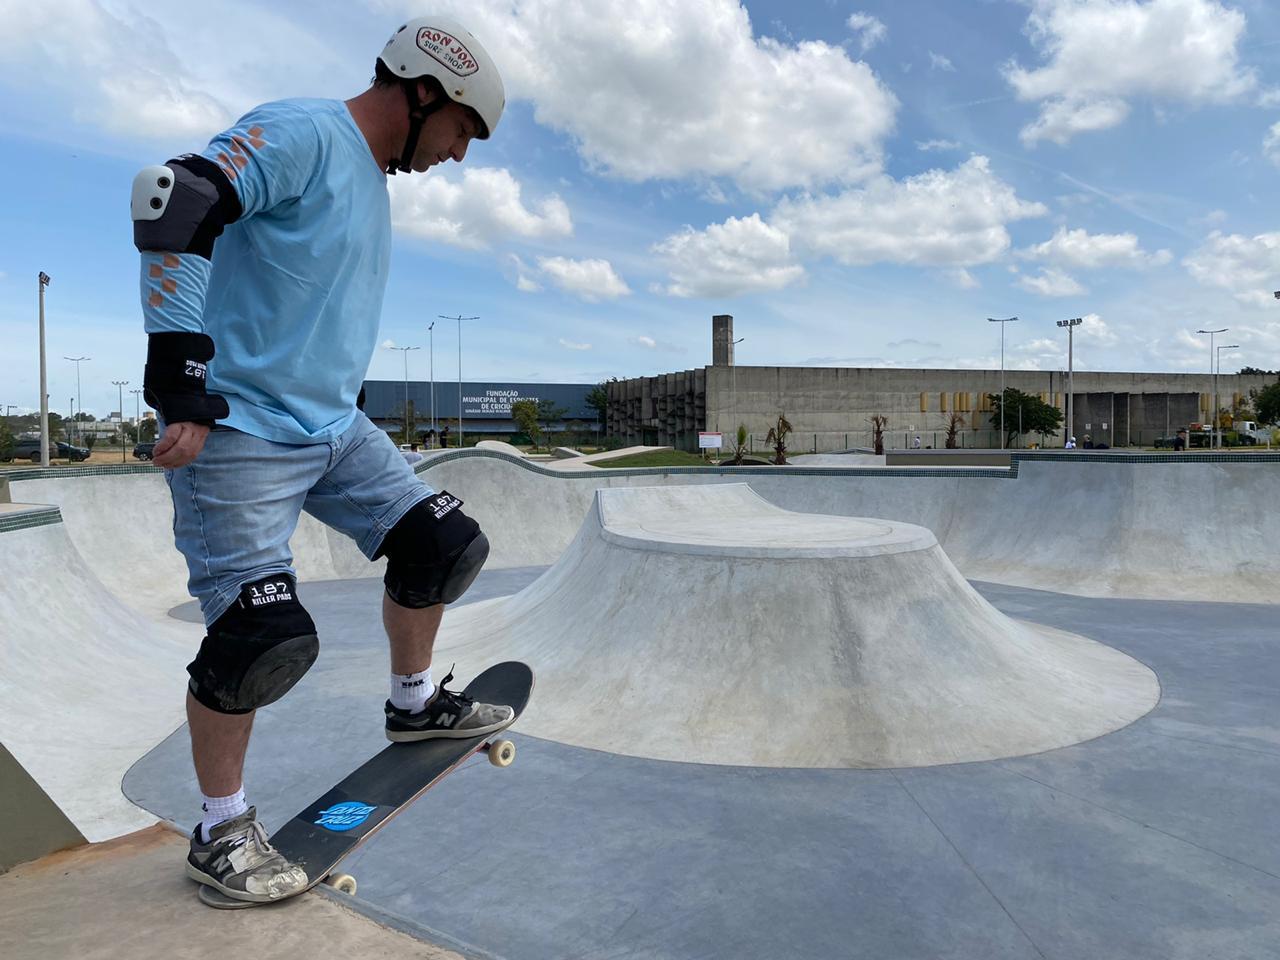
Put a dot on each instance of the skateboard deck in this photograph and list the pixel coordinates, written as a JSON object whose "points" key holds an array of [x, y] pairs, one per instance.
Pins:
{"points": [[335, 824]]}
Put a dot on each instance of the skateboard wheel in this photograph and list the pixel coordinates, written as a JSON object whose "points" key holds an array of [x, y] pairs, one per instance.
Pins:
{"points": [[342, 882], [502, 753]]}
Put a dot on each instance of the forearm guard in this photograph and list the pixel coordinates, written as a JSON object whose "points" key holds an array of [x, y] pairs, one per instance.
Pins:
{"points": [[175, 379]]}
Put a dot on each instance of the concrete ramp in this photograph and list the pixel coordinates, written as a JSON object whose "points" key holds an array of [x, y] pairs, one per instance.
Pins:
{"points": [[88, 683], [701, 623]]}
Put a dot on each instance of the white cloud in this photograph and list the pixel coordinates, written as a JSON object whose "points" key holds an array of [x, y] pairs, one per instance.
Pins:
{"points": [[938, 62], [480, 209], [1271, 144], [727, 259], [592, 280], [1082, 250], [1246, 266], [1267, 99], [652, 89], [929, 146], [1052, 282], [647, 342], [570, 345], [939, 218], [869, 29], [962, 278], [1060, 120], [1099, 54], [115, 71]]}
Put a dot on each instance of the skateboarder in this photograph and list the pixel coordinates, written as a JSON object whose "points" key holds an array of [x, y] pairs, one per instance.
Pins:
{"points": [[271, 246]]}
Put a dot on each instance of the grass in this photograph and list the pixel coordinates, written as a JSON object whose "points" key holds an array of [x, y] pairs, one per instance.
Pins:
{"points": [[656, 458]]}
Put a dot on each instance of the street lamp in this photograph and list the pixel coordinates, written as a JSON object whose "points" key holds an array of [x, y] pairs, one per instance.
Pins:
{"points": [[1218, 353], [405, 351], [431, 332], [1071, 373], [44, 382], [120, 385], [734, 425], [76, 361], [1002, 323], [458, 318], [137, 414], [1213, 434]]}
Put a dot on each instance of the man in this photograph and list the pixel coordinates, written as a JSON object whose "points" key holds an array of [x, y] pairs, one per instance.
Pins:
{"points": [[272, 247]]}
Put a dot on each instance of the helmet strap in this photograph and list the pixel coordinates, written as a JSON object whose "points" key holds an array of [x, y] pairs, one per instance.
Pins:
{"points": [[418, 113]]}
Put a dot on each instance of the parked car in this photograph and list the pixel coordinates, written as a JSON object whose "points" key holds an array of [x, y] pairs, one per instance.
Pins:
{"points": [[144, 450], [58, 450]]}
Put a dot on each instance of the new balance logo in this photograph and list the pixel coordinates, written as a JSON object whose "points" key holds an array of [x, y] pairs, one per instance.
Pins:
{"points": [[446, 719]]}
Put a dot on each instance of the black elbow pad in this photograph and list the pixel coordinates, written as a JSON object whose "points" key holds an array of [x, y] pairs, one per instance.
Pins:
{"points": [[182, 206]]}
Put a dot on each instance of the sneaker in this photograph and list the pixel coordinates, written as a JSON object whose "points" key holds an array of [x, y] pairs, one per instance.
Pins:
{"points": [[239, 861], [447, 714]]}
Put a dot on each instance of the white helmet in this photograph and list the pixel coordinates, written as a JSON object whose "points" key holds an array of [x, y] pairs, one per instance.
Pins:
{"points": [[442, 48]]}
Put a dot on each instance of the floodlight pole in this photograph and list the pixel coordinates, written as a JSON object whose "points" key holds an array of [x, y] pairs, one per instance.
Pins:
{"points": [[120, 385], [459, 318], [405, 352], [44, 382], [1071, 374], [1213, 433], [1002, 323]]}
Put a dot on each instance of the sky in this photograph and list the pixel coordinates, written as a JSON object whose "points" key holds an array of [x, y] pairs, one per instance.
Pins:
{"points": [[858, 183]]}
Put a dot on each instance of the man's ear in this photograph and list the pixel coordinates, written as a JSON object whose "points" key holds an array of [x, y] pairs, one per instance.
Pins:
{"points": [[426, 93]]}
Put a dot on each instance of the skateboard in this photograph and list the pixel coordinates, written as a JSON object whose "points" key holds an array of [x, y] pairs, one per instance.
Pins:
{"points": [[336, 824]]}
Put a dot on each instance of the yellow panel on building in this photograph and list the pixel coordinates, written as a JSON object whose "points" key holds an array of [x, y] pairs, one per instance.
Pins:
{"points": [[924, 402], [942, 402]]}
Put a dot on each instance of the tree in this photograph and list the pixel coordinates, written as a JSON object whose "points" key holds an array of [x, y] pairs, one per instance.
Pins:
{"points": [[89, 440], [525, 414], [1266, 403], [549, 413], [1022, 410], [878, 423], [777, 439], [6, 440], [598, 399], [954, 422], [739, 445]]}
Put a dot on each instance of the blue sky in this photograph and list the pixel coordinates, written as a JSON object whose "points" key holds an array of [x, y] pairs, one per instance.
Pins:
{"points": [[858, 183]]}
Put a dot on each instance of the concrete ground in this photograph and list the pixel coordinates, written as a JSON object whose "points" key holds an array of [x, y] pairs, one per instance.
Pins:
{"points": [[123, 898], [1158, 841]]}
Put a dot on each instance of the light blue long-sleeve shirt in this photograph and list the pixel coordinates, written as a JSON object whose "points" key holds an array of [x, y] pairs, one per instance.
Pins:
{"points": [[293, 295]]}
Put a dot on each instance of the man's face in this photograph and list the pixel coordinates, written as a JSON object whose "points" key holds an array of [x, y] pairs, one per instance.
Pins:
{"points": [[445, 136]]}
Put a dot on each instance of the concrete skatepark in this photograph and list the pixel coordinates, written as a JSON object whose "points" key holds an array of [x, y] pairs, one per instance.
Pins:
{"points": [[814, 711]]}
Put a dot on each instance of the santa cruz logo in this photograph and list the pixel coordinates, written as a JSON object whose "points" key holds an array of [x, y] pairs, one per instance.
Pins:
{"points": [[342, 817], [448, 50]]}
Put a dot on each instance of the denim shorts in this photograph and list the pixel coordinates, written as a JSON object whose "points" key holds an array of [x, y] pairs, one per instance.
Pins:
{"points": [[237, 504]]}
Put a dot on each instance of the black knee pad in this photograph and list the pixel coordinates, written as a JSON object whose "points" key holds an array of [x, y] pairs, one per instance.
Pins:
{"points": [[433, 554], [257, 650]]}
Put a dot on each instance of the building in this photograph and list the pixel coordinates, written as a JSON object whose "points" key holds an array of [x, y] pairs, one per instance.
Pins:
{"points": [[829, 408], [486, 407]]}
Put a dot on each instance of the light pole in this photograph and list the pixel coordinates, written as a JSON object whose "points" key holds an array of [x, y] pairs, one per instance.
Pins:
{"points": [[431, 332], [44, 385], [137, 414], [1218, 369], [1071, 373], [459, 318], [1002, 323], [734, 426], [1213, 433], [405, 352], [76, 361], [120, 385]]}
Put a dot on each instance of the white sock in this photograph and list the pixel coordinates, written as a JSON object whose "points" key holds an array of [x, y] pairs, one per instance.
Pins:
{"points": [[411, 691], [218, 809]]}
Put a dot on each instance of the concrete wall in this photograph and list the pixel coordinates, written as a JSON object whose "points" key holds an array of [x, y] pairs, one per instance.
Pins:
{"points": [[829, 408]]}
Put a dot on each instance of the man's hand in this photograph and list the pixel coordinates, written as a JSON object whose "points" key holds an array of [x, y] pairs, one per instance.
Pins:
{"points": [[181, 443]]}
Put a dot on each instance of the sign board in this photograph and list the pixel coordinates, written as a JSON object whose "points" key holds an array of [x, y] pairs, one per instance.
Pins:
{"points": [[710, 441]]}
